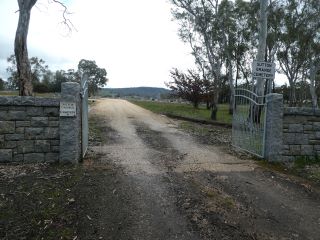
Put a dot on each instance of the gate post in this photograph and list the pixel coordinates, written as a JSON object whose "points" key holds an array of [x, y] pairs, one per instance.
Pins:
{"points": [[70, 123], [273, 127]]}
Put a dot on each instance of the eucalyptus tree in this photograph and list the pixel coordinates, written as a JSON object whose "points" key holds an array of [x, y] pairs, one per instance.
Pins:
{"points": [[199, 24], [298, 40], [20, 44]]}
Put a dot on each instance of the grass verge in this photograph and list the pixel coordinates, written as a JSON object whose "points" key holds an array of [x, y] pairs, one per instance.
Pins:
{"points": [[186, 110]]}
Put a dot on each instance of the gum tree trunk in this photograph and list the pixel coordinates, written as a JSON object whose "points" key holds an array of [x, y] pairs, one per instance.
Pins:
{"points": [[20, 47]]}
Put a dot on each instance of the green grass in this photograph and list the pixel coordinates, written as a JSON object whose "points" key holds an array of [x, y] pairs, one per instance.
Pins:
{"points": [[186, 110]]}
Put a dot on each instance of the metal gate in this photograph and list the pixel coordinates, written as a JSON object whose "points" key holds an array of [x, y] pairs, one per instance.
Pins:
{"points": [[84, 114], [248, 124]]}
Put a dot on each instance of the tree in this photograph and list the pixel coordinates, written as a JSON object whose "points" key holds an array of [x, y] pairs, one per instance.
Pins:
{"points": [[24, 74], [188, 86], [2, 84], [96, 76], [20, 47], [38, 69], [298, 40], [13, 79]]}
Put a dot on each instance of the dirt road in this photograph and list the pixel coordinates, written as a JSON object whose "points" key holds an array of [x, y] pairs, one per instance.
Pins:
{"points": [[168, 185]]}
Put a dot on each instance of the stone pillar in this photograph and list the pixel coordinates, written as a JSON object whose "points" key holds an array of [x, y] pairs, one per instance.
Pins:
{"points": [[70, 126], [274, 127]]}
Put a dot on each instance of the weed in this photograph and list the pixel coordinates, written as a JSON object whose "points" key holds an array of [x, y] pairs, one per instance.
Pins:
{"points": [[303, 161]]}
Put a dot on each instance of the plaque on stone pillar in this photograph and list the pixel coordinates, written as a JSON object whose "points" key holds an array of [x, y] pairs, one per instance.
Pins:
{"points": [[68, 109]]}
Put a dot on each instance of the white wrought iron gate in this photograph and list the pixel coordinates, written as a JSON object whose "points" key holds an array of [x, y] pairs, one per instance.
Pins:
{"points": [[248, 124], [84, 114]]}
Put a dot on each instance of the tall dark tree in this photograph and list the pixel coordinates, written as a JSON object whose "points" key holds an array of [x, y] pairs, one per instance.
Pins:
{"points": [[188, 86]]}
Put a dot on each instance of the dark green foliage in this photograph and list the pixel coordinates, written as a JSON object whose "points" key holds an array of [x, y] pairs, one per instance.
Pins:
{"points": [[44, 81], [97, 77]]}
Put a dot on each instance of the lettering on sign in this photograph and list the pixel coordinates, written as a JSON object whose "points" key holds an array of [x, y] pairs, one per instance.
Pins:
{"points": [[68, 109], [263, 70]]}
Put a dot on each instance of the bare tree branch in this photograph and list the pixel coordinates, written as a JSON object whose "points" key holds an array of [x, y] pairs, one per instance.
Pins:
{"points": [[66, 21]]}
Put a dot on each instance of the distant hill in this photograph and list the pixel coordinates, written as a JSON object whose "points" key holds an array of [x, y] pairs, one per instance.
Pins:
{"points": [[145, 92]]}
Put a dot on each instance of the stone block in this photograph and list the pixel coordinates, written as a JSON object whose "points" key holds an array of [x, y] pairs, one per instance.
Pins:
{"points": [[289, 138], [4, 116], [52, 157], [317, 135], [51, 111], [55, 143], [295, 150], [34, 133], [14, 137], [292, 119], [35, 111], [5, 155], [4, 100], [54, 118], [285, 147], [316, 147], [20, 130], [39, 122], [18, 108], [53, 123], [287, 159], [17, 158], [314, 142], [307, 150], [47, 102], [296, 128], [33, 157], [26, 146], [55, 149], [307, 127], [51, 133], [4, 108], [10, 144], [28, 100], [316, 126], [42, 146], [7, 127], [285, 152], [23, 123], [17, 115]]}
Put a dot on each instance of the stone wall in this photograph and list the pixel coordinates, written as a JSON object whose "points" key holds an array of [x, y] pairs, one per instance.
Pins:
{"points": [[301, 133], [29, 129]]}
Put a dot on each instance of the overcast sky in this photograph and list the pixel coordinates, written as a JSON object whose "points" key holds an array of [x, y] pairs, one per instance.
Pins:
{"points": [[135, 41]]}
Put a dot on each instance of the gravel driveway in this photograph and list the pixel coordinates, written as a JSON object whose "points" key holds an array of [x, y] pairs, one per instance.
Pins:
{"points": [[170, 185]]}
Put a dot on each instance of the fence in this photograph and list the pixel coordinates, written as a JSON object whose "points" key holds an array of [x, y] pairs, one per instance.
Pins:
{"points": [[41, 129]]}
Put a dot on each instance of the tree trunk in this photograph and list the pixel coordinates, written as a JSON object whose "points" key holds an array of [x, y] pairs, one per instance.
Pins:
{"points": [[293, 98], [214, 106], [208, 104], [232, 90], [262, 43], [313, 73], [259, 88], [20, 48]]}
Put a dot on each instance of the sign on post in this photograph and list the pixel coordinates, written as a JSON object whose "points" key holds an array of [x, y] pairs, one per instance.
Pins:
{"points": [[264, 70], [68, 109]]}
